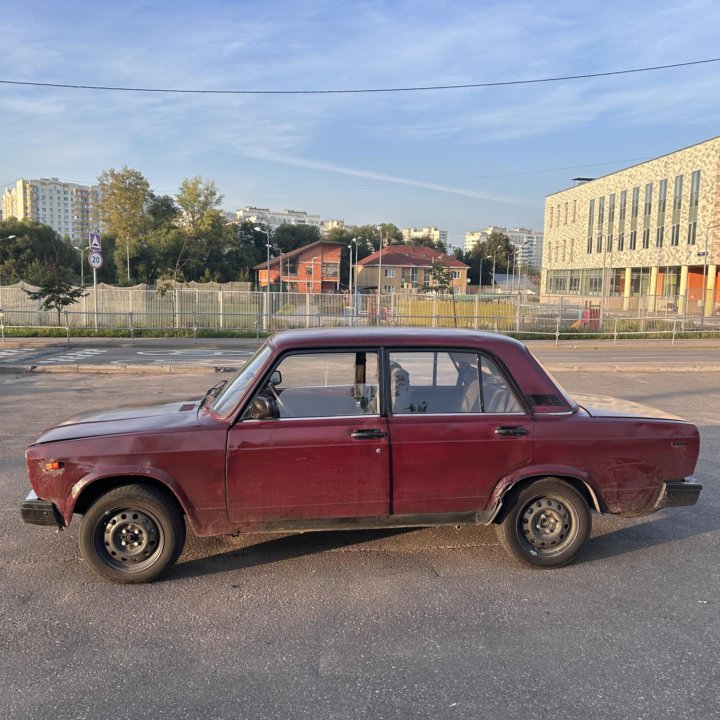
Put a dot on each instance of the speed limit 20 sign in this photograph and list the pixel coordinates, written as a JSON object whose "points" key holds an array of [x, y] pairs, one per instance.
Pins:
{"points": [[95, 259]]}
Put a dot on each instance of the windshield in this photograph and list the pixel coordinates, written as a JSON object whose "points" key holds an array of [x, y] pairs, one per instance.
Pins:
{"points": [[228, 398]]}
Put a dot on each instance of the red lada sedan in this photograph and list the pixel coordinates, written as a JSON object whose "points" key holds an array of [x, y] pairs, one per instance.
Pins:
{"points": [[361, 428]]}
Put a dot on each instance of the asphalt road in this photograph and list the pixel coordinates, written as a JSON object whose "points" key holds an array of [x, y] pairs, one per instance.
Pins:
{"points": [[435, 623], [182, 354]]}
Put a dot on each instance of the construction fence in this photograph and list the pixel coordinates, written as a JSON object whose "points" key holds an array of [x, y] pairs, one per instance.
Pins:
{"points": [[224, 309]]}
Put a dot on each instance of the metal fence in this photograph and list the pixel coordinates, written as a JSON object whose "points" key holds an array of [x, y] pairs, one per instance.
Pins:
{"points": [[207, 310]]}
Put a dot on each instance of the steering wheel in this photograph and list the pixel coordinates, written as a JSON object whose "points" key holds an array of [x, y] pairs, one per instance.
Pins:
{"points": [[282, 405]]}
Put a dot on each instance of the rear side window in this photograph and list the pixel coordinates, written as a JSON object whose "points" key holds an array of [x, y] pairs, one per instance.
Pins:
{"points": [[448, 382]]}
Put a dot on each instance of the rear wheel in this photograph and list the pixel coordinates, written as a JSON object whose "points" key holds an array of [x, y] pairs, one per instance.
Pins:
{"points": [[547, 524], [132, 534]]}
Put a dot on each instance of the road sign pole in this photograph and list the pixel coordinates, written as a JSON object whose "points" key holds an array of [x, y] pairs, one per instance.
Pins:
{"points": [[95, 297]]}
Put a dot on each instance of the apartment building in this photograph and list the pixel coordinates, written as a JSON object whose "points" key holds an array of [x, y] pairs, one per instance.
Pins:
{"points": [[650, 232], [68, 208], [435, 234], [528, 242], [275, 218]]}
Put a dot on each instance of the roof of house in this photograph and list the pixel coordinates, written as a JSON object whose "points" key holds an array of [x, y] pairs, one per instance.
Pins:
{"points": [[411, 256], [332, 244]]}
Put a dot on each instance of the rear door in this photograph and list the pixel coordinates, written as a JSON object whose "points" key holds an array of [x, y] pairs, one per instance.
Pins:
{"points": [[456, 428]]}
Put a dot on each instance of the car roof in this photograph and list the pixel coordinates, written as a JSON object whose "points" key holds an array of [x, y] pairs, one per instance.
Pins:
{"points": [[382, 336]]}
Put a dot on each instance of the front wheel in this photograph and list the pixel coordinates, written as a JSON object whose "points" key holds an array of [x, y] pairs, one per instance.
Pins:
{"points": [[547, 524], [132, 534]]}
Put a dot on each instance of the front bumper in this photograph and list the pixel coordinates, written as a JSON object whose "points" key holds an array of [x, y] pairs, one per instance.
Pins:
{"points": [[40, 512], [678, 493]]}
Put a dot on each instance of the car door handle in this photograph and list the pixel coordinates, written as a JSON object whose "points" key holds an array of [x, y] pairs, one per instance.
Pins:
{"points": [[371, 434], [512, 430]]}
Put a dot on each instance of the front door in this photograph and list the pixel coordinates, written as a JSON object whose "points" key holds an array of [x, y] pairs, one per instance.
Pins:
{"points": [[324, 454]]}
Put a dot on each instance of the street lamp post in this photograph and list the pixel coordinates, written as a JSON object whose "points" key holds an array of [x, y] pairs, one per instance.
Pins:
{"points": [[487, 257], [379, 291], [705, 278], [494, 261], [268, 245]]}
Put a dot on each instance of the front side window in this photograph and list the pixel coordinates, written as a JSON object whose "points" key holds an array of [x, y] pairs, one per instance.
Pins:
{"points": [[323, 384], [448, 382], [230, 394]]}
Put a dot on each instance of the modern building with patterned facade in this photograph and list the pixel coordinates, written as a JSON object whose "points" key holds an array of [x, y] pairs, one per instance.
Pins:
{"points": [[647, 236], [68, 208]]}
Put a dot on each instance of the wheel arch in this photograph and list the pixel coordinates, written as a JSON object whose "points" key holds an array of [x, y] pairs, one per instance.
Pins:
{"points": [[90, 492], [504, 495]]}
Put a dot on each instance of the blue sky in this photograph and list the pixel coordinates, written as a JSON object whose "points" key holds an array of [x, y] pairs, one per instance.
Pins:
{"points": [[457, 159]]}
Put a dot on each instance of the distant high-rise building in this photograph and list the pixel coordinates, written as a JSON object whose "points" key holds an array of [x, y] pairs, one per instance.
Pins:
{"points": [[68, 208], [528, 242], [433, 233], [275, 218]]}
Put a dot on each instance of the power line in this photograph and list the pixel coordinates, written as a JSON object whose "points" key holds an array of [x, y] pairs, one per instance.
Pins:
{"points": [[466, 86]]}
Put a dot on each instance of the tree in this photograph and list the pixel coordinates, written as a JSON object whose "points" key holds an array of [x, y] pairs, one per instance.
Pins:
{"points": [[288, 237], [56, 289], [33, 244], [196, 197], [427, 241], [441, 277], [125, 196]]}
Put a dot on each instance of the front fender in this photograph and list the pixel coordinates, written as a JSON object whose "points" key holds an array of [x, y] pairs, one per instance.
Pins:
{"points": [[129, 471]]}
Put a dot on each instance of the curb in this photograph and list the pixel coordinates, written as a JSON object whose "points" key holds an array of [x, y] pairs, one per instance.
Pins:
{"points": [[116, 369]]}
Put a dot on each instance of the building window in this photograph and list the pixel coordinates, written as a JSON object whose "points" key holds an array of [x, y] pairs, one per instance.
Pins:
{"points": [[694, 201], [574, 210], [675, 237], [609, 243], [599, 242], [646, 238], [601, 214], [456, 274], [677, 197], [662, 198], [389, 272], [591, 223], [659, 237], [633, 239], [695, 189], [621, 242], [648, 199], [635, 207], [623, 210]]}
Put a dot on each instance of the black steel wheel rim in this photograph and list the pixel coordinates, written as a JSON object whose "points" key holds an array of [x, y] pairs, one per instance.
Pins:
{"points": [[547, 525], [129, 539]]}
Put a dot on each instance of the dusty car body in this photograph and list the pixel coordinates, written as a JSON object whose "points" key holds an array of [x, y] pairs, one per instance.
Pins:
{"points": [[361, 428]]}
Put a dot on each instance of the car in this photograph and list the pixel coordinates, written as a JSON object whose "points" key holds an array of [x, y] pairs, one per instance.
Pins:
{"points": [[347, 428]]}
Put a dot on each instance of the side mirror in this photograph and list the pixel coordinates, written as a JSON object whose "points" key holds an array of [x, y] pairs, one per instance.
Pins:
{"points": [[275, 378], [264, 407]]}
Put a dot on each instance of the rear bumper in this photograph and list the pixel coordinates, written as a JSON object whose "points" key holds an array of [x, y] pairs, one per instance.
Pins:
{"points": [[40, 512], [678, 493]]}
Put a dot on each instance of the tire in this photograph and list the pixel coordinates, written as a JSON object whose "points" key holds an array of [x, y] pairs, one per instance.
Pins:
{"points": [[546, 525], [132, 534]]}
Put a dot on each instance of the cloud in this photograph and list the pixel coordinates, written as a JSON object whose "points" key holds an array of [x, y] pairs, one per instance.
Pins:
{"points": [[382, 177]]}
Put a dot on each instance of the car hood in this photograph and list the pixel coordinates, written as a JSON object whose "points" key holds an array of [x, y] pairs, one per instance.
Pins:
{"points": [[131, 419], [604, 406]]}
